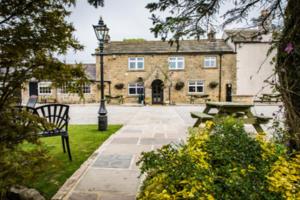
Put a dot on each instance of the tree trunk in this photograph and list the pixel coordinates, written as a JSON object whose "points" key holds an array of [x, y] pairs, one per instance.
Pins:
{"points": [[288, 70]]}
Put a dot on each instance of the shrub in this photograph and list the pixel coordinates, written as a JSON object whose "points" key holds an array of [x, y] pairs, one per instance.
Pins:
{"points": [[219, 162]]}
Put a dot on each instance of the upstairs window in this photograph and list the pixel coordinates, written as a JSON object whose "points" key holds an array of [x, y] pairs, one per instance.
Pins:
{"points": [[176, 63], [135, 88], [210, 62], [135, 63], [45, 88], [196, 87]]}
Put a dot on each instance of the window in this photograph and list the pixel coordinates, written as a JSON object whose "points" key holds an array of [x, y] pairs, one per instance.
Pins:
{"points": [[135, 88], [176, 63], [45, 88], [135, 63], [86, 88], [210, 62], [196, 86]]}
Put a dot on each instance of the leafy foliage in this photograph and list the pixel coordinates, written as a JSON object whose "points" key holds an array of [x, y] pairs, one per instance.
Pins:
{"points": [[32, 32], [220, 162]]}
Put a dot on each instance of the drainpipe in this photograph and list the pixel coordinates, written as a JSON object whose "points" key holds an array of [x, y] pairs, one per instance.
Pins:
{"points": [[220, 77]]}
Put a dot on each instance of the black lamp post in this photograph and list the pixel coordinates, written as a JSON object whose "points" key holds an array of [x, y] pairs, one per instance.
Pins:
{"points": [[101, 32]]}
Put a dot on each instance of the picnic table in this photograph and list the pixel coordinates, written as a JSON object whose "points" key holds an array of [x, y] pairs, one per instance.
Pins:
{"points": [[238, 110]]}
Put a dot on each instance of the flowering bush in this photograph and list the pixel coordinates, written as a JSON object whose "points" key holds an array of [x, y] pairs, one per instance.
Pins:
{"points": [[220, 161]]}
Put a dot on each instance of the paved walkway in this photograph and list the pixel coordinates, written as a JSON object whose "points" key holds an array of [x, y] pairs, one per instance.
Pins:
{"points": [[111, 173]]}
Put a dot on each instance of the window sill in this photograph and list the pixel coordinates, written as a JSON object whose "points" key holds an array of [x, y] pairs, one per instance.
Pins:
{"points": [[209, 67], [136, 70], [176, 70]]}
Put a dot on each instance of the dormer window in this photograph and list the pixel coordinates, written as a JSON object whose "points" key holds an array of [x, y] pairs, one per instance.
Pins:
{"points": [[136, 63]]}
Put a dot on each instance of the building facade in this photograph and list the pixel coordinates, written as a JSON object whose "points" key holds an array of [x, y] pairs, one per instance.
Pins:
{"points": [[165, 74], [153, 72], [253, 62]]}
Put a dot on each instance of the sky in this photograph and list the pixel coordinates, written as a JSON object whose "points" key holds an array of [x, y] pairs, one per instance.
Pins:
{"points": [[125, 19]]}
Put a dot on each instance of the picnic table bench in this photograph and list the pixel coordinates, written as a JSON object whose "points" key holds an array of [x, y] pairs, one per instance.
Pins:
{"points": [[203, 96], [241, 111], [269, 98], [118, 97]]}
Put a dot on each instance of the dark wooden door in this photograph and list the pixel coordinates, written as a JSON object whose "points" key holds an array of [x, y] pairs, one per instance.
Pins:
{"points": [[229, 92], [157, 92], [33, 88]]}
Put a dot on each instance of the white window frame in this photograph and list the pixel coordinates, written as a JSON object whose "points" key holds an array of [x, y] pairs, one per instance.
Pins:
{"points": [[196, 84], [45, 84], [86, 89], [136, 61], [136, 86], [212, 60], [176, 60]]}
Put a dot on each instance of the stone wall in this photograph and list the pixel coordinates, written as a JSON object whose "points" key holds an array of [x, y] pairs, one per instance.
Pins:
{"points": [[156, 67]]}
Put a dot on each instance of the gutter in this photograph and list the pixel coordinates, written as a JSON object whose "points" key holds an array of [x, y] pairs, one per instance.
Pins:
{"points": [[220, 77]]}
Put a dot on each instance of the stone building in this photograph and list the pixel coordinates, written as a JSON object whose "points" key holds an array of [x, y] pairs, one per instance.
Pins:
{"points": [[254, 69], [204, 69], [48, 94], [194, 72]]}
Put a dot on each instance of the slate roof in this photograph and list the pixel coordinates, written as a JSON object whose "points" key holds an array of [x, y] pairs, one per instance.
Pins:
{"points": [[244, 35], [160, 47], [90, 70]]}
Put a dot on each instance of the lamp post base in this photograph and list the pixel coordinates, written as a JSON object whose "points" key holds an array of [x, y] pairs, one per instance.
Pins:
{"points": [[102, 122]]}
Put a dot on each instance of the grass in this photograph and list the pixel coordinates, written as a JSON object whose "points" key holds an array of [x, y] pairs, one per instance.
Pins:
{"points": [[84, 140]]}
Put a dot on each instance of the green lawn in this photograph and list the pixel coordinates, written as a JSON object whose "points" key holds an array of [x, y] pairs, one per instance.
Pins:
{"points": [[84, 140]]}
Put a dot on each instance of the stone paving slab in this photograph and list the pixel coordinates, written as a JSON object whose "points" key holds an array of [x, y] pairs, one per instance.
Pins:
{"points": [[113, 161], [152, 141], [124, 141], [126, 149], [107, 180]]}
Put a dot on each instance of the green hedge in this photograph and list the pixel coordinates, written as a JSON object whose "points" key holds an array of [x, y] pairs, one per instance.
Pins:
{"points": [[219, 162]]}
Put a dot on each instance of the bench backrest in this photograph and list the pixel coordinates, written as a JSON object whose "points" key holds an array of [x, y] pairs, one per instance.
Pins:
{"points": [[55, 114], [32, 101]]}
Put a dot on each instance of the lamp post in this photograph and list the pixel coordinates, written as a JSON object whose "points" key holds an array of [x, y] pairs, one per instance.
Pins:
{"points": [[101, 32]]}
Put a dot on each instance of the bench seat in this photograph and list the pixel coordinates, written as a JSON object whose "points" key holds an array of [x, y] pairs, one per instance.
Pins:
{"points": [[263, 119], [201, 115]]}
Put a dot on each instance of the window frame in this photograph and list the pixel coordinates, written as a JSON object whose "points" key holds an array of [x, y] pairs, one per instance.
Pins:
{"points": [[63, 89], [195, 86], [136, 86], [210, 60], [176, 62], [42, 84], [136, 62]]}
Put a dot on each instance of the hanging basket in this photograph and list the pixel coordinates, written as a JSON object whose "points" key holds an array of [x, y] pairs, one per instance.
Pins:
{"points": [[213, 84], [119, 86], [179, 85]]}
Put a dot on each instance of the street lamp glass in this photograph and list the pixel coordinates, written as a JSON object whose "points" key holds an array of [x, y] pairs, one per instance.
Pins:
{"points": [[101, 31]]}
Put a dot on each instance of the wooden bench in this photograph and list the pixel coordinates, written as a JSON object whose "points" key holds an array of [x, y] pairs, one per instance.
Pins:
{"points": [[119, 98], [263, 119], [269, 98], [194, 97], [201, 117]]}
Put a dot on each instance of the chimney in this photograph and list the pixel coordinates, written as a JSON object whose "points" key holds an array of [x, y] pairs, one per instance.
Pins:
{"points": [[211, 36], [265, 22]]}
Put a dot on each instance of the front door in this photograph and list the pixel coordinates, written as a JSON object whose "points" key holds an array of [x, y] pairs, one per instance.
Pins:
{"points": [[229, 92], [33, 88], [157, 92]]}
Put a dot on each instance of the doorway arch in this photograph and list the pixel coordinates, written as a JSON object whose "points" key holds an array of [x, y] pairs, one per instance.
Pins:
{"points": [[157, 91]]}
